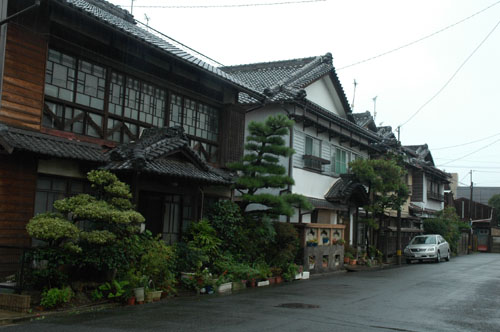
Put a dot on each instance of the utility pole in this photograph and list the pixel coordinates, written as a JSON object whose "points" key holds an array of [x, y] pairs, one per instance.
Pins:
{"points": [[470, 213], [354, 94], [374, 108], [399, 249], [399, 133], [147, 18], [131, 7]]}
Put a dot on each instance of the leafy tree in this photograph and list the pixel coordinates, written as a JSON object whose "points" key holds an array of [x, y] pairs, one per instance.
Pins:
{"points": [[86, 234], [386, 187], [260, 169], [447, 224], [109, 213], [494, 202]]}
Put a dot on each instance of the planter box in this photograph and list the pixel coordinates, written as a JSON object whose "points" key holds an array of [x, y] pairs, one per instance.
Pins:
{"points": [[14, 302], [263, 283], [305, 275], [225, 288], [298, 276]]}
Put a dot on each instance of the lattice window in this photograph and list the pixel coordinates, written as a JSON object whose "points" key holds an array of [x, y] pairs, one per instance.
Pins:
{"points": [[175, 110], [91, 84], [67, 118], [60, 76]]}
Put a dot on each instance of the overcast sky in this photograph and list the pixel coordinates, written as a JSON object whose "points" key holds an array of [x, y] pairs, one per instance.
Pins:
{"points": [[405, 81]]}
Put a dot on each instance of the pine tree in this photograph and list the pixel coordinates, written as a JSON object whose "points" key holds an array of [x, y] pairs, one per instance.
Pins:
{"points": [[260, 169]]}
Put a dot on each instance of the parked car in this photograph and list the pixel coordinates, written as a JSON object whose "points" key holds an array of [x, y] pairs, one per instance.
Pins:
{"points": [[427, 247]]}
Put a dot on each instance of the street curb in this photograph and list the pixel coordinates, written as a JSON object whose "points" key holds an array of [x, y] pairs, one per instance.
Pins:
{"points": [[43, 314]]}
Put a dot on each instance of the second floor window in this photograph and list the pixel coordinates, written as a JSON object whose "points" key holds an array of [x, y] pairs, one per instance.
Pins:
{"points": [[340, 160], [92, 100], [313, 147]]}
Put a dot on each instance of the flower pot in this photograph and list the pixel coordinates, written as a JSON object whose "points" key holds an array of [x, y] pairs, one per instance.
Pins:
{"points": [[139, 294], [131, 300], [156, 295], [272, 280], [263, 283], [346, 260], [149, 297], [353, 262], [279, 279], [251, 283], [224, 288]]}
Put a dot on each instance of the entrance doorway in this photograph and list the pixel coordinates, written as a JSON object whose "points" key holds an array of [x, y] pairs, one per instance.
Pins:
{"points": [[166, 214]]}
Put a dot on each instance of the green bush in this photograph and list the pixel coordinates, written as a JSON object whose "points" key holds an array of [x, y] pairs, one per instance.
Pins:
{"points": [[448, 225], [114, 290], [225, 217], [54, 297], [285, 245]]}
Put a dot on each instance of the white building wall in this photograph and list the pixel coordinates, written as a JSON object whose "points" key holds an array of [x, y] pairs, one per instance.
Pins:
{"points": [[322, 92]]}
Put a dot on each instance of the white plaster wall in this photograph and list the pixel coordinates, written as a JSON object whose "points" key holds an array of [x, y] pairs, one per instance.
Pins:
{"points": [[311, 184], [60, 167], [322, 92], [261, 115]]}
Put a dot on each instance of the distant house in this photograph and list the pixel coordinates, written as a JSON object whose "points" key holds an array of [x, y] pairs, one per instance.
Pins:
{"points": [[325, 138], [479, 194], [482, 218], [425, 182], [85, 87]]}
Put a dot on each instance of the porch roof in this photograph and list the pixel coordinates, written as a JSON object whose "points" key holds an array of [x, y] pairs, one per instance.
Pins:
{"points": [[165, 151], [16, 139], [325, 205]]}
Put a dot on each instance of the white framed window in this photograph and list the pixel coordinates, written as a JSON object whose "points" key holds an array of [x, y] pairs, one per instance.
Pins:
{"points": [[313, 147], [340, 159]]}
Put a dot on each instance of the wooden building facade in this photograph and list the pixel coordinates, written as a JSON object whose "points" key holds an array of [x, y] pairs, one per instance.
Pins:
{"points": [[82, 79]]}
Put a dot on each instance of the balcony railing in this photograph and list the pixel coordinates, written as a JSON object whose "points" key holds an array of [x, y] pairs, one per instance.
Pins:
{"points": [[315, 163], [435, 196]]}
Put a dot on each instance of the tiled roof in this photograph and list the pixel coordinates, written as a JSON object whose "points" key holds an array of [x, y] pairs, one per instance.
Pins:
{"points": [[164, 151], [344, 188], [111, 15], [324, 204], [284, 80], [363, 119], [15, 139], [386, 132]]}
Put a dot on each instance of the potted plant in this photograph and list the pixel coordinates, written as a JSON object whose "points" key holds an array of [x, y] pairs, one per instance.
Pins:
{"points": [[347, 257], [312, 243], [341, 242]]}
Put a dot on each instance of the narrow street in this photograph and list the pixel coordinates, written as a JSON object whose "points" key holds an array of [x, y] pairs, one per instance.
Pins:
{"points": [[460, 295]]}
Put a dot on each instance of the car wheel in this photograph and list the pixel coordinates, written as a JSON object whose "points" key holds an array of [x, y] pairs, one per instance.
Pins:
{"points": [[438, 258], [408, 261], [449, 256]]}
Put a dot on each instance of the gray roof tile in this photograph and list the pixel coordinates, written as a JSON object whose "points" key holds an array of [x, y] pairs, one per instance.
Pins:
{"points": [[158, 151], [105, 14], [15, 139]]}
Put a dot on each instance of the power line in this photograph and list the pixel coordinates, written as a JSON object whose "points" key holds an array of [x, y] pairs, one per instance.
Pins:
{"points": [[484, 147], [231, 6], [471, 167], [452, 76], [420, 39], [472, 161], [464, 144]]}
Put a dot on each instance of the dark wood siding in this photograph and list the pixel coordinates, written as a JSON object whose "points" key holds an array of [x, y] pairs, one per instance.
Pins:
{"points": [[24, 75], [418, 187], [17, 193], [232, 134]]}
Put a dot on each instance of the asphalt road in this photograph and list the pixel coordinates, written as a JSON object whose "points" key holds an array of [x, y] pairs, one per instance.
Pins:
{"points": [[460, 295]]}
